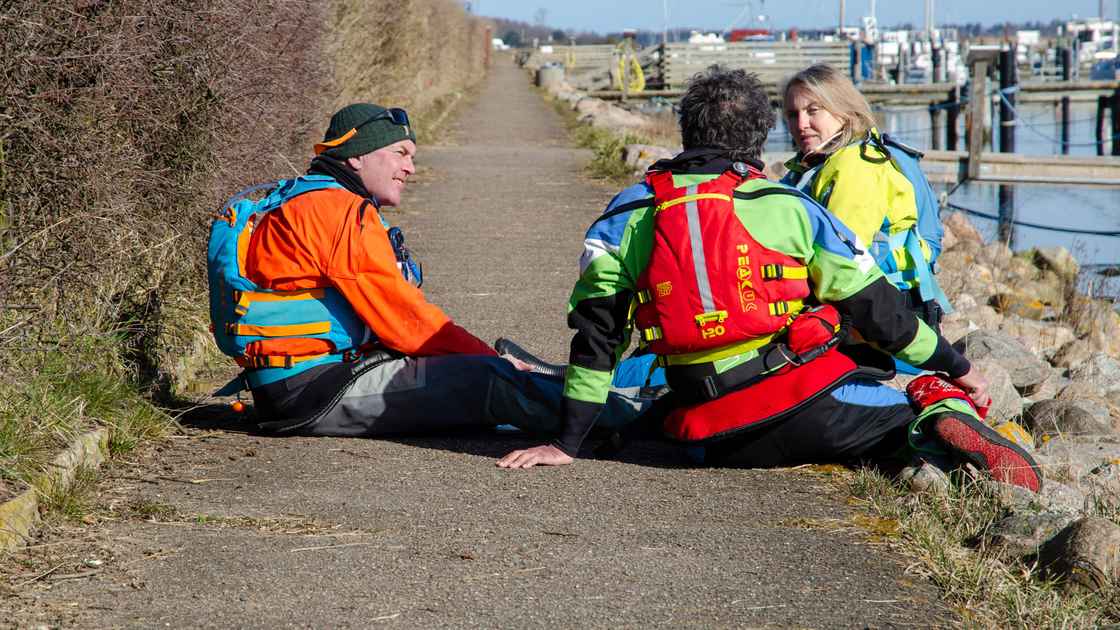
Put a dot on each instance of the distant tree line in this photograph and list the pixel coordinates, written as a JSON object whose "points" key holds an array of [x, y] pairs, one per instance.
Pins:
{"points": [[518, 33]]}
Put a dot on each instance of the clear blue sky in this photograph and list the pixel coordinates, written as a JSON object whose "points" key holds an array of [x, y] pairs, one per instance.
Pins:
{"points": [[613, 16]]}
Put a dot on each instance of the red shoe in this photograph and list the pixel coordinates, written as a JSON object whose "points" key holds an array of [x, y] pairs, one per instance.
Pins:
{"points": [[979, 444]]}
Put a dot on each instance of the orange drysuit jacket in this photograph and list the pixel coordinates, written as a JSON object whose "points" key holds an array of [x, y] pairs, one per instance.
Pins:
{"points": [[324, 238]]}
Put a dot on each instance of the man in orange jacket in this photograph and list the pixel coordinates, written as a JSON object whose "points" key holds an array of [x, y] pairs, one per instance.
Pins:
{"points": [[386, 361]]}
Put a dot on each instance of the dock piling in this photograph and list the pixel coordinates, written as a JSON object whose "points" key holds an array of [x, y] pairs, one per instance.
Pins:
{"points": [[935, 126], [1008, 81], [1116, 122], [952, 114], [977, 108], [1102, 105], [1066, 55]]}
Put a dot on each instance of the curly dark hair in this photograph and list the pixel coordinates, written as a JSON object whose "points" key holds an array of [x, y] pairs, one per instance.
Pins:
{"points": [[726, 109]]}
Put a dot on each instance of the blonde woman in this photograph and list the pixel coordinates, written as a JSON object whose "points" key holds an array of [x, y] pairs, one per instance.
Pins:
{"points": [[870, 181]]}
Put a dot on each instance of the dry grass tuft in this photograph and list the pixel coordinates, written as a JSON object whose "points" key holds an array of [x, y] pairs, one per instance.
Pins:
{"points": [[943, 533]]}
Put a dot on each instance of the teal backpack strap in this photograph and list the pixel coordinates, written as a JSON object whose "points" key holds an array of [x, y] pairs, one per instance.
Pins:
{"points": [[245, 192], [927, 284]]}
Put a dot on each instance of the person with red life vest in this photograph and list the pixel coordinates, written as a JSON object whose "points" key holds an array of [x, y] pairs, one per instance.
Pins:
{"points": [[745, 289], [318, 299]]}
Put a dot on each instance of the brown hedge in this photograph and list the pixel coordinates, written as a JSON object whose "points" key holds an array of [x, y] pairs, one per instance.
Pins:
{"points": [[410, 53], [124, 124]]}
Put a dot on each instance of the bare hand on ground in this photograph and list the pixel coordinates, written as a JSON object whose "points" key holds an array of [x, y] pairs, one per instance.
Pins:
{"points": [[545, 455], [976, 386]]}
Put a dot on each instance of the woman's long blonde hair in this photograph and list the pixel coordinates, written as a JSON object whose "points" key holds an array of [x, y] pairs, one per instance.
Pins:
{"points": [[834, 92]]}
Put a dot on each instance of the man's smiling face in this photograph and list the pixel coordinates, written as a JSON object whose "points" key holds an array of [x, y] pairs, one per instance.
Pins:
{"points": [[384, 172]]}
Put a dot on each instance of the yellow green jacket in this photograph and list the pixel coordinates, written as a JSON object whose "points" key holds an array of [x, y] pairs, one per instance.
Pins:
{"points": [[862, 186]]}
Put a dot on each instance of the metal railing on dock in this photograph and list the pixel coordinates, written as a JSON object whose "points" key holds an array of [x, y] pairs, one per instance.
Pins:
{"points": [[923, 93], [771, 61]]}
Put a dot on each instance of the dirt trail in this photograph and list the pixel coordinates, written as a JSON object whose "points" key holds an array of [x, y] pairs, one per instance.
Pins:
{"points": [[224, 529]]}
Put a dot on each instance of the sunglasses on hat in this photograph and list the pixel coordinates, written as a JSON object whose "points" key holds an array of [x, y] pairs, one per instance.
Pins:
{"points": [[397, 115]]}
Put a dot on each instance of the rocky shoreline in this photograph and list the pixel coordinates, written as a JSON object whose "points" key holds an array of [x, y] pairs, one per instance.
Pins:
{"points": [[1052, 356]]}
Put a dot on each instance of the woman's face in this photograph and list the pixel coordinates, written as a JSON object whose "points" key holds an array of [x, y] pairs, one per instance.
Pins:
{"points": [[810, 124]]}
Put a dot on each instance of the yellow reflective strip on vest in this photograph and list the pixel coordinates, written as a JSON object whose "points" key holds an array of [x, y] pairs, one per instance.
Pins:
{"points": [[795, 273], [643, 296], [708, 356], [281, 296], [275, 361], [782, 308], [285, 330], [651, 334], [784, 272], [687, 198], [716, 317]]}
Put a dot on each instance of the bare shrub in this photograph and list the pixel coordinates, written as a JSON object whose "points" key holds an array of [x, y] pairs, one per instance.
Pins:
{"points": [[405, 53], [124, 125]]}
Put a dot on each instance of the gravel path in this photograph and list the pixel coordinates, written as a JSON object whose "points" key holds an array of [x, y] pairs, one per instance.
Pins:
{"points": [[224, 529]]}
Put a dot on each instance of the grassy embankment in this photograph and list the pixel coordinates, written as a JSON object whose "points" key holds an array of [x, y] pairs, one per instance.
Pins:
{"points": [[125, 125], [945, 535], [607, 144], [942, 533]]}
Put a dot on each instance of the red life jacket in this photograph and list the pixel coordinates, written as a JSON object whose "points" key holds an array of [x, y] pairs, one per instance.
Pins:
{"points": [[709, 284], [772, 398], [711, 291]]}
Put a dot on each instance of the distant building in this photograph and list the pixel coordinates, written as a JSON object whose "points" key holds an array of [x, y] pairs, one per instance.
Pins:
{"points": [[1097, 38]]}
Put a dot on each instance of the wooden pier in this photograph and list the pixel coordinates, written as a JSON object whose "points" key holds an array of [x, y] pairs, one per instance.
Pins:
{"points": [[922, 94], [671, 65], [951, 167]]}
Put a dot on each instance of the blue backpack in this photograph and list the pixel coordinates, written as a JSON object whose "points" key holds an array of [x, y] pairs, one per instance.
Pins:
{"points": [[242, 312], [928, 227]]}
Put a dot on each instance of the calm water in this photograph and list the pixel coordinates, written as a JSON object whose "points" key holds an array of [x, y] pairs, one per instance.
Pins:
{"points": [[1076, 207]]}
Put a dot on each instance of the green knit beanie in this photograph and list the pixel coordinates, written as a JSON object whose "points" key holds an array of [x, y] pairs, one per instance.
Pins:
{"points": [[359, 129]]}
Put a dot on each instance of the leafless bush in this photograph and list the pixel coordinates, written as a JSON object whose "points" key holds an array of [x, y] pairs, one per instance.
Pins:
{"points": [[123, 124], [405, 53]]}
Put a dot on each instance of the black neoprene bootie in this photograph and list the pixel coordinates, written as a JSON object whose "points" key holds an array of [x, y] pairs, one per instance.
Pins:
{"points": [[504, 346]]}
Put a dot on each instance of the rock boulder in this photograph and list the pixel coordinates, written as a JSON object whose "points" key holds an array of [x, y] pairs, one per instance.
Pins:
{"points": [[1021, 534], [1026, 370], [1085, 554], [1099, 371], [962, 228], [1058, 260], [1006, 402], [1068, 417]]}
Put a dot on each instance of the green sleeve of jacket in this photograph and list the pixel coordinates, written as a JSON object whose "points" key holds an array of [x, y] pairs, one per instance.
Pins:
{"points": [[599, 312]]}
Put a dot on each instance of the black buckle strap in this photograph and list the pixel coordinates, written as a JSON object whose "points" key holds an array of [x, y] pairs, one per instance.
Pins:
{"points": [[770, 358], [772, 271]]}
